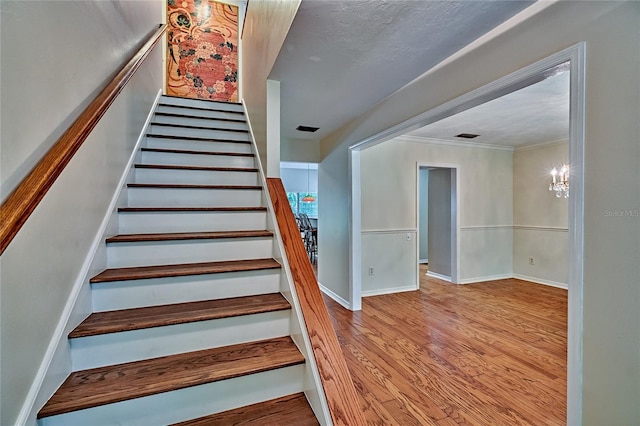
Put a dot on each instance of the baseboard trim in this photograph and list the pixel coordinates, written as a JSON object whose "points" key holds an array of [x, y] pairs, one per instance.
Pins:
{"points": [[486, 278], [335, 296], [423, 261], [550, 283], [388, 290], [517, 276], [28, 410], [438, 276]]}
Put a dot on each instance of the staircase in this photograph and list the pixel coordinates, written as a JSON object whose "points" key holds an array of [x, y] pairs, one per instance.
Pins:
{"points": [[188, 324]]}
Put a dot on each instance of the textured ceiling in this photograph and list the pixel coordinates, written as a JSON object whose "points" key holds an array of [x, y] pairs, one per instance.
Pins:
{"points": [[536, 114], [342, 57]]}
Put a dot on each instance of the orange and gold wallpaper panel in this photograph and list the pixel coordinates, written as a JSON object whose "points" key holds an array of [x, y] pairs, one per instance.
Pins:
{"points": [[202, 57]]}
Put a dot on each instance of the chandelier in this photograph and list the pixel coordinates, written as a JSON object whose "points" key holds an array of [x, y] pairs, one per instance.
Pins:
{"points": [[560, 181]]}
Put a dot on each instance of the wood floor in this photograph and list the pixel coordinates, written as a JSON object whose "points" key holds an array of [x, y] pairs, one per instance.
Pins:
{"points": [[480, 354]]}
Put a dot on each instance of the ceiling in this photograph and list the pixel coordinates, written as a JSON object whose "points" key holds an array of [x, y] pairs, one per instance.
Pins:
{"points": [[536, 114], [340, 58]]}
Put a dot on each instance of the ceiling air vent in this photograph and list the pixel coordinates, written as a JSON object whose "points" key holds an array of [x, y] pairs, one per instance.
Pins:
{"points": [[307, 129], [467, 135]]}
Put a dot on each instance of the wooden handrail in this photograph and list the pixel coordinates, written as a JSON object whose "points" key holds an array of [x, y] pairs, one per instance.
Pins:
{"points": [[338, 386], [18, 206]]}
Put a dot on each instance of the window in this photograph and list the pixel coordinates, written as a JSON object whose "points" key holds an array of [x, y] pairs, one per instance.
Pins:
{"points": [[301, 203]]}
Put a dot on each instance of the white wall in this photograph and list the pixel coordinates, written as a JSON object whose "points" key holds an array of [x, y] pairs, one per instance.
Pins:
{"points": [[265, 28], [55, 56], [388, 193], [391, 254], [272, 165], [333, 224], [610, 383], [300, 150], [540, 219], [299, 180]]}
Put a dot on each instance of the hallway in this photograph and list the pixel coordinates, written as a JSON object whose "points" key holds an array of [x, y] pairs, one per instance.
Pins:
{"points": [[471, 354]]}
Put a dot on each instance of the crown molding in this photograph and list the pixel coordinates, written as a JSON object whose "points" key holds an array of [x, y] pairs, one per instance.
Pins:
{"points": [[528, 147], [435, 141]]}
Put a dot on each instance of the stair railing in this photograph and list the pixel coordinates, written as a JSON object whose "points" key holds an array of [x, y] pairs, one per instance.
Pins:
{"points": [[24, 199], [340, 393]]}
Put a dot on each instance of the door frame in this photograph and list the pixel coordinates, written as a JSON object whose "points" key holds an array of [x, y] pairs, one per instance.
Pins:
{"points": [[575, 56]]}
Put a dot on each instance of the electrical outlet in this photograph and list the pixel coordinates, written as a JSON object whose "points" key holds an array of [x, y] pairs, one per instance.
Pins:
{"points": [[371, 270], [531, 261]]}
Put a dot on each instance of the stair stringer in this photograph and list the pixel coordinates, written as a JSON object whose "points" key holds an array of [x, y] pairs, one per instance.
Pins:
{"points": [[56, 364], [313, 388]]}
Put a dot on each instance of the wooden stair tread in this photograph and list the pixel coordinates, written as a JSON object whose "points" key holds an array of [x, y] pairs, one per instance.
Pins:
{"points": [[204, 168], [115, 383], [175, 236], [192, 186], [178, 313], [211, 101], [173, 114], [288, 410], [195, 138], [199, 100], [184, 269], [189, 126], [193, 152], [191, 209]]}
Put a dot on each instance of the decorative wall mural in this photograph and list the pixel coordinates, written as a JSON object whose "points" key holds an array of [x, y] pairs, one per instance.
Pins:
{"points": [[202, 57]]}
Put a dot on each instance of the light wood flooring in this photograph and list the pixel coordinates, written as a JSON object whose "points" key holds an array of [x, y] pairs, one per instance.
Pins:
{"points": [[490, 353]]}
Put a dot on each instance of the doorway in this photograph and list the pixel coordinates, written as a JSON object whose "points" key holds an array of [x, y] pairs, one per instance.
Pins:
{"points": [[575, 57], [437, 222]]}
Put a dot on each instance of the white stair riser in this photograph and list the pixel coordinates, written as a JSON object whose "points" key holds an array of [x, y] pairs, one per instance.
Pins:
{"points": [[178, 159], [204, 146], [201, 103], [162, 291], [195, 177], [143, 222], [136, 345], [184, 197], [198, 133], [189, 403], [123, 255], [201, 112], [201, 122]]}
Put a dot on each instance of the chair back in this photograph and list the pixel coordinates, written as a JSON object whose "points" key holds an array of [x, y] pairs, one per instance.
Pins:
{"points": [[306, 223]]}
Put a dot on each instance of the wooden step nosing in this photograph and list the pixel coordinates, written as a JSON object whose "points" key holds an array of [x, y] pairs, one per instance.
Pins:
{"points": [[193, 152], [188, 126], [184, 236], [194, 186], [190, 209], [211, 101], [196, 138], [45, 413], [183, 270], [196, 168], [195, 117], [162, 104], [284, 345], [170, 320], [169, 323], [269, 408]]}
